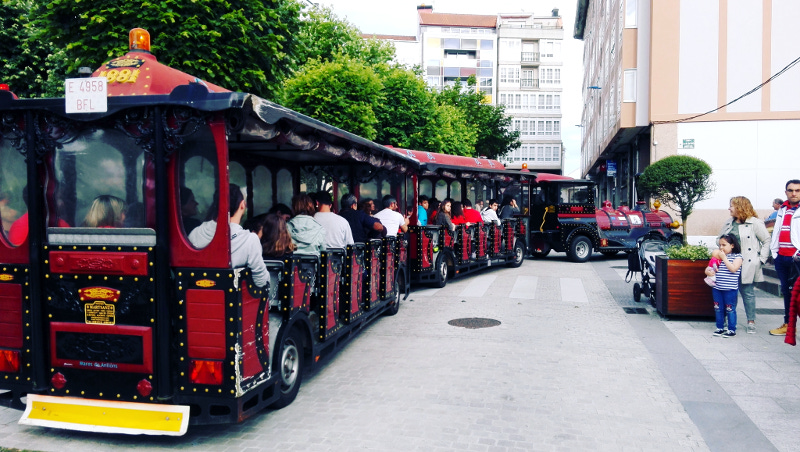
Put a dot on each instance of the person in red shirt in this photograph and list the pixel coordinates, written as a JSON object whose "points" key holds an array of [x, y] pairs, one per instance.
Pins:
{"points": [[472, 215], [784, 246], [457, 215]]}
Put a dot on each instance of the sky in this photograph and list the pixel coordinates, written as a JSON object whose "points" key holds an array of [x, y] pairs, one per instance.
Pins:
{"points": [[399, 17]]}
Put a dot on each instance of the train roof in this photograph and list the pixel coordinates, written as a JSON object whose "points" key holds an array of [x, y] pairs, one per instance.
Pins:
{"points": [[454, 166]]}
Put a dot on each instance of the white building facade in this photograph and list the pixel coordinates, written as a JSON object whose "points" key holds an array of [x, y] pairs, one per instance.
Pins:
{"points": [[529, 66]]}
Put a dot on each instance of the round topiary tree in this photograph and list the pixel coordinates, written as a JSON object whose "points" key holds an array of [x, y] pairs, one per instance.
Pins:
{"points": [[680, 182]]}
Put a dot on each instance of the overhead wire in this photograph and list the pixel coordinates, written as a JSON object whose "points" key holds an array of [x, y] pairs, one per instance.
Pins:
{"points": [[785, 68]]}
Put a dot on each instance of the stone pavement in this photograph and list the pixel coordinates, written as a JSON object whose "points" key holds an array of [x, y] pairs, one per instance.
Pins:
{"points": [[567, 369]]}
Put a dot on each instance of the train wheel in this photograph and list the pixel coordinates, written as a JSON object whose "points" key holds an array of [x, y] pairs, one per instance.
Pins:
{"points": [[519, 255], [442, 271], [290, 367], [637, 292], [395, 306], [580, 250]]}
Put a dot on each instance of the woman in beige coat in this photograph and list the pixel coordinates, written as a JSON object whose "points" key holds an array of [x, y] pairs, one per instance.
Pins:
{"points": [[754, 239]]}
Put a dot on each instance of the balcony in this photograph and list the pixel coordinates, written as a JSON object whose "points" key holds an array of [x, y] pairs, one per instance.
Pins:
{"points": [[531, 83], [530, 57]]}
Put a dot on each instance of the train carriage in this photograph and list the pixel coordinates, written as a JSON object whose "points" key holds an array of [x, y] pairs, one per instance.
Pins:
{"points": [[133, 327]]}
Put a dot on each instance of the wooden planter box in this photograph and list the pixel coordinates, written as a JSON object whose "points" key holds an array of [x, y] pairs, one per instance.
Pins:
{"points": [[680, 290]]}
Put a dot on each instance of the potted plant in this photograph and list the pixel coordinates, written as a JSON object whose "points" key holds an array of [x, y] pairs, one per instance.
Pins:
{"points": [[680, 289], [680, 182]]}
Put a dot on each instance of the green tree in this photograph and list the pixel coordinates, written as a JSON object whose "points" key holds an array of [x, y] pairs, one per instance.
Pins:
{"points": [[680, 182], [406, 110], [31, 68], [344, 93], [245, 45], [492, 126], [446, 131], [324, 36]]}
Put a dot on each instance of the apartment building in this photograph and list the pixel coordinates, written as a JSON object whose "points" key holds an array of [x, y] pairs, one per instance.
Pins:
{"points": [[687, 77], [529, 68]]}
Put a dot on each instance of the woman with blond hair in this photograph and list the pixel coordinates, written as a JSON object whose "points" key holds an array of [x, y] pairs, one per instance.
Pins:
{"points": [[745, 225], [106, 212]]}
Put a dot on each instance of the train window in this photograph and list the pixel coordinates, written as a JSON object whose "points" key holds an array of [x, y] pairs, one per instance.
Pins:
{"points": [[285, 187], [368, 189], [262, 190], [426, 188], [200, 179], [410, 201], [575, 194], [13, 205], [386, 189], [455, 190], [238, 176], [100, 177], [441, 190]]}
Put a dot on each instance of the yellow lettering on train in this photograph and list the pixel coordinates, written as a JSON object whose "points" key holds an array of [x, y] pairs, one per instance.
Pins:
{"points": [[121, 76]]}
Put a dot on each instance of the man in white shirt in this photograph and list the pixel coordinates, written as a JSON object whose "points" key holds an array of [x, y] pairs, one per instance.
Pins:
{"points": [[245, 245], [390, 218], [489, 213], [337, 229]]}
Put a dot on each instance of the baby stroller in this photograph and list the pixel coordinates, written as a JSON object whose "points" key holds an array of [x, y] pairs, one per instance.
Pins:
{"points": [[644, 261]]}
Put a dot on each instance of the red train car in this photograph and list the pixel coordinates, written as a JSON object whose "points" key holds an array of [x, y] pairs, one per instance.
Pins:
{"points": [[132, 327]]}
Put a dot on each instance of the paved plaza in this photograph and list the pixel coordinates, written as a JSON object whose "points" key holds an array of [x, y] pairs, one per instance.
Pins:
{"points": [[567, 368]]}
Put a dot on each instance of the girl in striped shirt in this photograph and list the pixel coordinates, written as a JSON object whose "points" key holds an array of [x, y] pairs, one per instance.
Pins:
{"points": [[727, 284]]}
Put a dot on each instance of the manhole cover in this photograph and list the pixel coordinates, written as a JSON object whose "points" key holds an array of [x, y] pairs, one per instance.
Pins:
{"points": [[635, 310], [474, 323], [769, 311]]}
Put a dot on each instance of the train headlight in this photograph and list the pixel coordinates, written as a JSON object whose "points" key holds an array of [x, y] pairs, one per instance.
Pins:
{"points": [[139, 39]]}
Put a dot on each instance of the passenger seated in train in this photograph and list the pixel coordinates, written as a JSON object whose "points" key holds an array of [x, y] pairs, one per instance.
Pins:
{"points": [[433, 209], [106, 211], [276, 242], [393, 220], [281, 209], [255, 224], [337, 229], [361, 224], [19, 230], [508, 208], [188, 210], [422, 211], [134, 215], [443, 216], [489, 213], [457, 214], [245, 246], [306, 232], [473, 216]]}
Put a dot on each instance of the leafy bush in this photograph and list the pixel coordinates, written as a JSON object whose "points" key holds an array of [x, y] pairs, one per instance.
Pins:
{"points": [[692, 252]]}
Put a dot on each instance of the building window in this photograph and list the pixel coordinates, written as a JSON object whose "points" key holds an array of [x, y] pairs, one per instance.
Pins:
{"points": [[509, 75], [629, 86], [630, 13], [487, 44]]}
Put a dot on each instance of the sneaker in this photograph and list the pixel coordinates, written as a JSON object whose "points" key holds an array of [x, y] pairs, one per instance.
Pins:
{"points": [[710, 281], [719, 332], [729, 333], [779, 331], [751, 328]]}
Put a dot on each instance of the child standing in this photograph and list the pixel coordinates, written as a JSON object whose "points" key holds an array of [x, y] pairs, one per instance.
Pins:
{"points": [[727, 284]]}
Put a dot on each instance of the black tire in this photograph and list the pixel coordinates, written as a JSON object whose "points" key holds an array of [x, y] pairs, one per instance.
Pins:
{"points": [[609, 253], [394, 308], [519, 255], [637, 292], [580, 249], [442, 271], [541, 254], [675, 241], [290, 369]]}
